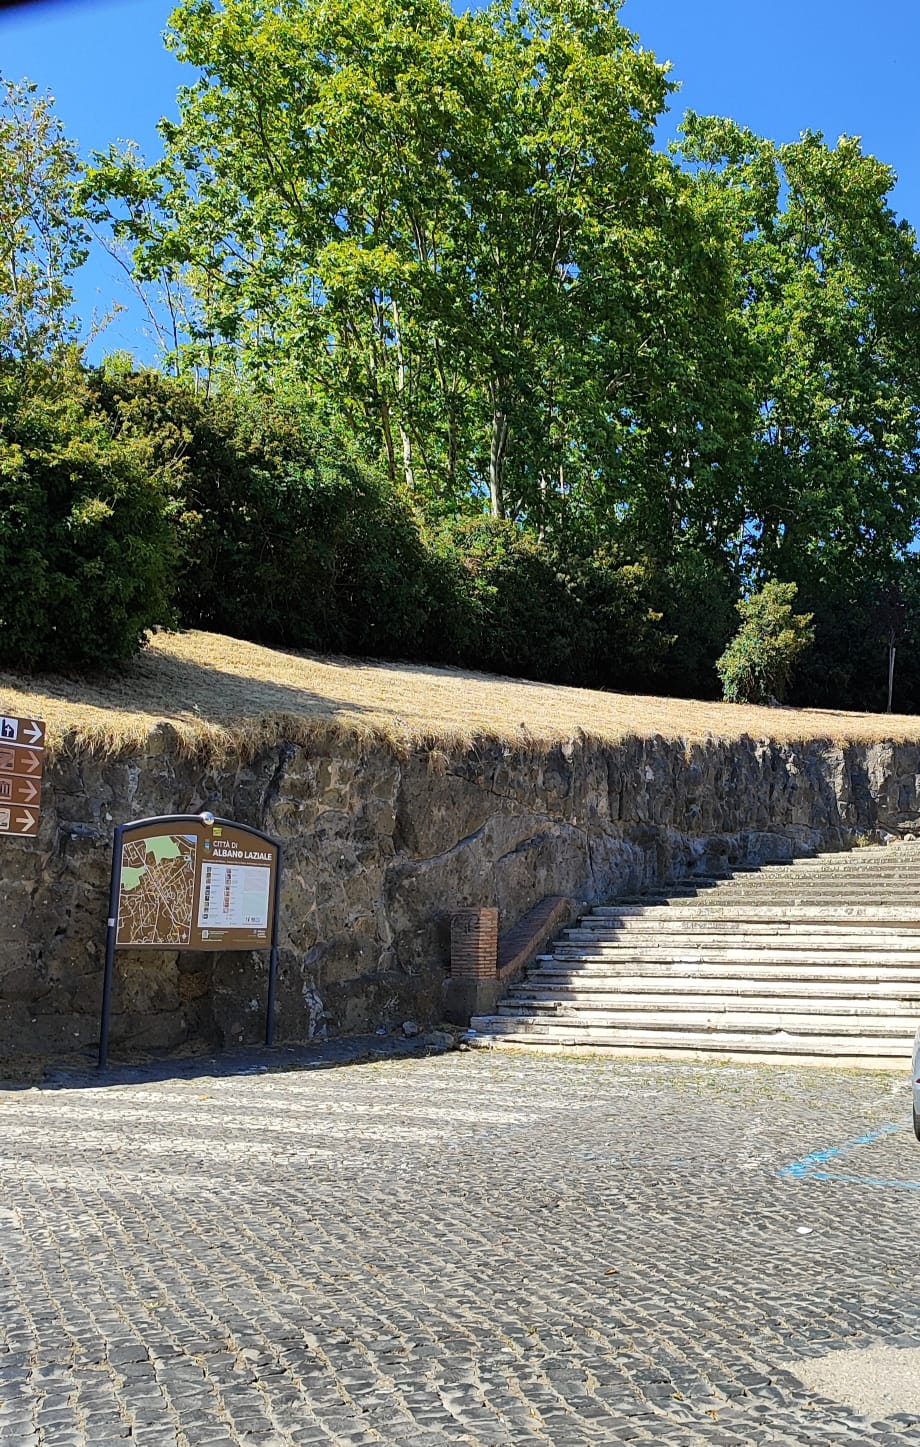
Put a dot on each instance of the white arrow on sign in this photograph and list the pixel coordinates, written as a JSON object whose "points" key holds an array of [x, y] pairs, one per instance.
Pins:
{"points": [[33, 792], [33, 732], [32, 762], [26, 820]]}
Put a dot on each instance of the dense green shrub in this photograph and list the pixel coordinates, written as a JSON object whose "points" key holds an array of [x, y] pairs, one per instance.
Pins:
{"points": [[848, 666], [696, 594], [524, 609], [510, 614], [308, 554], [277, 531], [87, 558], [759, 660], [621, 640], [286, 536]]}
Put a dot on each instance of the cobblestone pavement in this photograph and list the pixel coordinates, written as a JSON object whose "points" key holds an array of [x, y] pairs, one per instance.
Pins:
{"points": [[478, 1248]]}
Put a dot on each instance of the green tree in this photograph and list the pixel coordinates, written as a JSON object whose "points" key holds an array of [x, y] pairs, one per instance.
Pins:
{"points": [[42, 242], [410, 211], [829, 292], [758, 663]]}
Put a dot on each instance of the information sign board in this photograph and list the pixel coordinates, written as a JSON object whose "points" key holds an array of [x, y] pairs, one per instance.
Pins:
{"points": [[195, 886], [192, 882], [22, 762]]}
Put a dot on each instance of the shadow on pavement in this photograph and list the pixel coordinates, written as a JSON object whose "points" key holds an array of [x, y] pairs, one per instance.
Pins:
{"points": [[82, 1073]]}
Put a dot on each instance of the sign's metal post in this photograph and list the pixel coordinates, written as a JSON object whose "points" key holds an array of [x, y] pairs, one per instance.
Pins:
{"points": [[110, 934], [270, 1006], [273, 959]]}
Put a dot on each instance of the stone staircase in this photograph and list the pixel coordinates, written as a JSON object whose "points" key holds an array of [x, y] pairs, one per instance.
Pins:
{"points": [[818, 960]]}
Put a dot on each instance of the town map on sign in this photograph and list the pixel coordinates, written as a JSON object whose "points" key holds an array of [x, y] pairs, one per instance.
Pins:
{"points": [[157, 890]]}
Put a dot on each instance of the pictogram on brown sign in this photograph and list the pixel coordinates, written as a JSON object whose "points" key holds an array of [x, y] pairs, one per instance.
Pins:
{"points": [[22, 762]]}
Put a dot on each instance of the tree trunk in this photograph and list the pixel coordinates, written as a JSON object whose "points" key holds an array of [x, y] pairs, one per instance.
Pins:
{"points": [[401, 390], [375, 370], [891, 652], [497, 449], [408, 469], [388, 439]]}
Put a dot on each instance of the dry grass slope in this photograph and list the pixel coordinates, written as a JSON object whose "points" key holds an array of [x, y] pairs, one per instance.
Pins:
{"points": [[223, 696]]}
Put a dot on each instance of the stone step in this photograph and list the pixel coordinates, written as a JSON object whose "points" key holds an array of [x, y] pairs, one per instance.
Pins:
{"points": [[790, 1012], [550, 985], [849, 867], [688, 954], [902, 853], [833, 872], [601, 943], [898, 845], [830, 970], [888, 862], [656, 944], [884, 913], [799, 892], [718, 1015], [833, 863], [683, 1042], [639, 926], [678, 890], [907, 908], [829, 899], [835, 879], [842, 893], [780, 874]]}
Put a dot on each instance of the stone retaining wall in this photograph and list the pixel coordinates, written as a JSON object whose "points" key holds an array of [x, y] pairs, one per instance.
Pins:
{"points": [[379, 850]]}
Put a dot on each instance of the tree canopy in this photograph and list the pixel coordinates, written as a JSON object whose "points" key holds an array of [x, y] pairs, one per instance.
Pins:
{"points": [[42, 239], [450, 252]]}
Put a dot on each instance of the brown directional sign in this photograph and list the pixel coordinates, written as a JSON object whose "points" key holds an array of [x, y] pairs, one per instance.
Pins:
{"points": [[22, 760], [194, 885]]}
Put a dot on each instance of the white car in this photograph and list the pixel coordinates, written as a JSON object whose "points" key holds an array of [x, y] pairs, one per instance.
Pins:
{"points": [[915, 1081]]}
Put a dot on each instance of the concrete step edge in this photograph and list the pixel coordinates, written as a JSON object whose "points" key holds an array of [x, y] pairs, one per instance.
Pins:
{"points": [[644, 928], [710, 1041], [808, 912], [550, 967], [792, 1008], [836, 1058], [740, 1021], [684, 946], [851, 942], [863, 991]]}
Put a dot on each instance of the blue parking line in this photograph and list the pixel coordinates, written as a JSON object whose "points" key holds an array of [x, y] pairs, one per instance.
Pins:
{"points": [[808, 1168], [865, 1181]]}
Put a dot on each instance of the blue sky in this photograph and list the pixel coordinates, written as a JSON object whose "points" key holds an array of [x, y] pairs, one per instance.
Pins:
{"points": [[833, 65]]}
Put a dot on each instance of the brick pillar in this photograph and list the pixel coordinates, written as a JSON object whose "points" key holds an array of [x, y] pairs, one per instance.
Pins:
{"points": [[474, 944]]}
